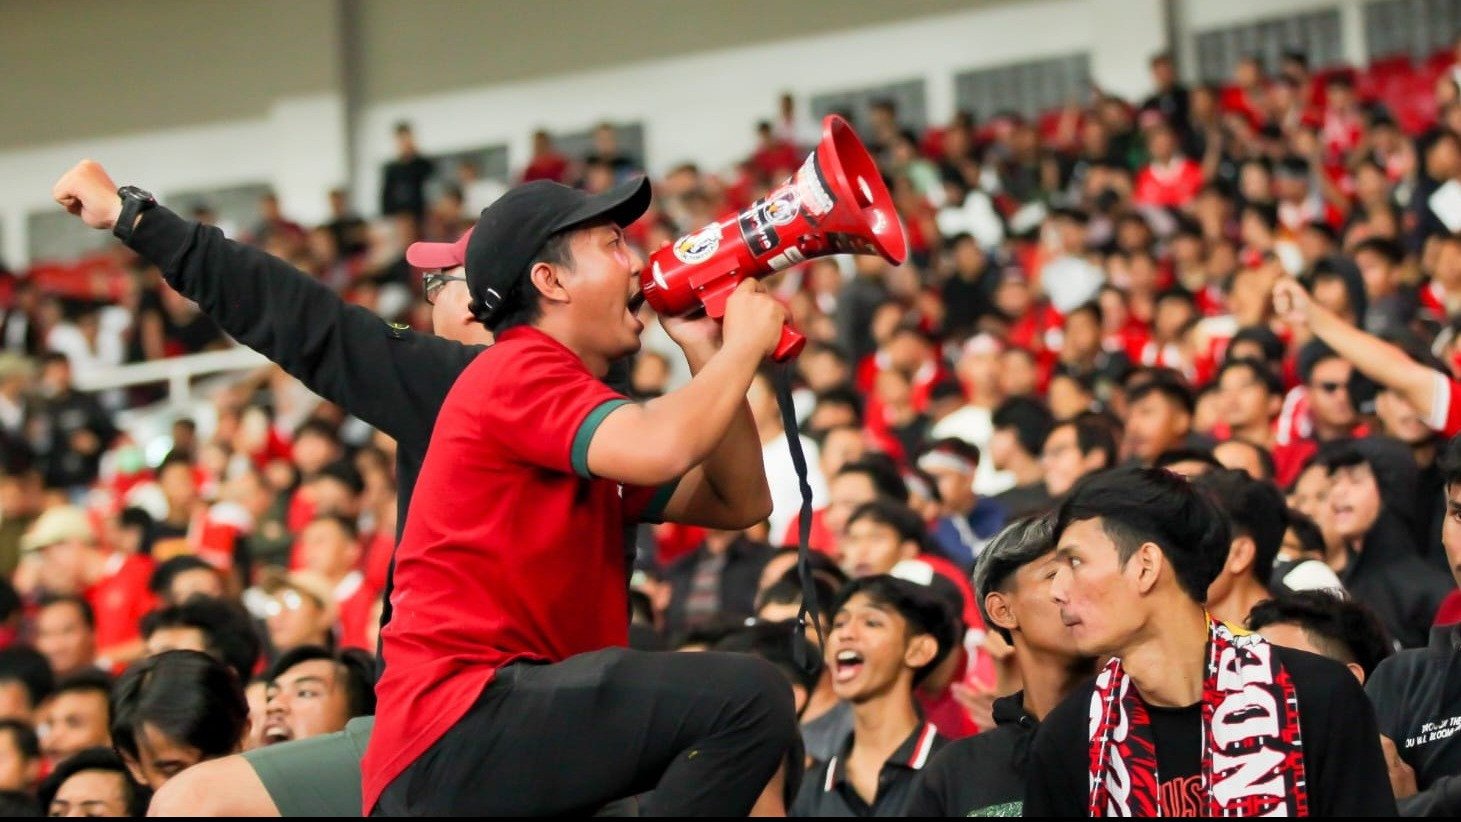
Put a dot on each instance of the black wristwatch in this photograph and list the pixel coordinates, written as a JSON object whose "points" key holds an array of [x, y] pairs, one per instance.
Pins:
{"points": [[134, 202]]}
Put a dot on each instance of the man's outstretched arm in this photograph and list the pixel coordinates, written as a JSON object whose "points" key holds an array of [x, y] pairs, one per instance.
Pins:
{"points": [[342, 352]]}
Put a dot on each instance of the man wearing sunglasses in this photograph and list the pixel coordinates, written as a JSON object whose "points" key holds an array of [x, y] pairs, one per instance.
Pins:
{"points": [[393, 378]]}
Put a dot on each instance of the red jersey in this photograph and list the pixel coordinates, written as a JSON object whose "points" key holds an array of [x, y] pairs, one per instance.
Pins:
{"points": [[512, 550], [120, 599], [1168, 184], [1445, 415]]}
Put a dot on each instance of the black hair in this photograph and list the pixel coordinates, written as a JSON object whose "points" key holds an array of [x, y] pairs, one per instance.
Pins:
{"points": [[1095, 431], [1172, 456], [1171, 387], [19, 805], [88, 615], [1030, 420], [1139, 505], [963, 449], [345, 524], [189, 697], [95, 759], [343, 471], [1262, 336], [1306, 530], [10, 603], [173, 460], [318, 427], [1267, 213], [85, 681], [882, 472], [169, 570], [1310, 355], [358, 666], [1342, 628], [522, 304], [24, 736], [896, 515], [30, 668], [924, 610], [708, 633], [1255, 508], [227, 630], [788, 591], [1260, 371], [1387, 249], [1266, 464], [1450, 462], [842, 395], [772, 642], [1091, 307], [1019, 544], [822, 565]]}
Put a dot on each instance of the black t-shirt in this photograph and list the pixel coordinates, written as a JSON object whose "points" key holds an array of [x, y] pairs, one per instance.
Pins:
{"points": [[1178, 732], [980, 775], [1343, 764]]}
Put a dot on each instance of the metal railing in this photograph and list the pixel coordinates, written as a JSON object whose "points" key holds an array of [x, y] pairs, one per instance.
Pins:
{"points": [[177, 372]]}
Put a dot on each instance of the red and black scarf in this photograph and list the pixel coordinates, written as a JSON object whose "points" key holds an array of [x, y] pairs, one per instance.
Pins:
{"points": [[1252, 760]]}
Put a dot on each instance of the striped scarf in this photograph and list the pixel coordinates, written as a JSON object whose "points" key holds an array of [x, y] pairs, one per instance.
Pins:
{"points": [[1252, 761]]}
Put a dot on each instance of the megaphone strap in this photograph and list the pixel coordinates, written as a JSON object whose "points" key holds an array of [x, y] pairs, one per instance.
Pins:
{"points": [[781, 380]]}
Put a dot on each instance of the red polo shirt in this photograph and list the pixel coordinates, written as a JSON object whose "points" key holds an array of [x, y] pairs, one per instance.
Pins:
{"points": [[511, 549]]}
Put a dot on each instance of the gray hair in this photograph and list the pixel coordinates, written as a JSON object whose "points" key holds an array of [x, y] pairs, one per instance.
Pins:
{"points": [[1020, 543]]}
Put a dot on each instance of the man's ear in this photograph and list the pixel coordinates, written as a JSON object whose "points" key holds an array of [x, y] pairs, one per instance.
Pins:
{"points": [[1240, 555], [920, 651], [1000, 613], [545, 277], [1150, 565]]}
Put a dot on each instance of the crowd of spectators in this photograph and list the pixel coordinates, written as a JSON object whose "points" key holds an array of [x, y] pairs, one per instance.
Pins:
{"points": [[1261, 276]]}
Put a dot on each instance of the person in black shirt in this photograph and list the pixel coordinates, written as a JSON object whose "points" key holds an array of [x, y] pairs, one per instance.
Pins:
{"points": [[887, 636], [392, 378], [403, 190], [1416, 698], [984, 774], [1188, 718]]}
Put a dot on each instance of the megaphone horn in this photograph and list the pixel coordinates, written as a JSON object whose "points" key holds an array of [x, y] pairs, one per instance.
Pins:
{"points": [[836, 203]]}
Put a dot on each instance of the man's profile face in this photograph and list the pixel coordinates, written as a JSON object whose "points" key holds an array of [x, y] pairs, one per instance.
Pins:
{"points": [[603, 278], [1097, 597]]}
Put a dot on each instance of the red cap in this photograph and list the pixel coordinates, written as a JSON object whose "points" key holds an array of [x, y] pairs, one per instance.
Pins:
{"points": [[439, 255]]}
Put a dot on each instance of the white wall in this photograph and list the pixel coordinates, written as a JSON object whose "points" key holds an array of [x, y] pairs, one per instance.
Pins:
{"points": [[1201, 15], [700, 107]]}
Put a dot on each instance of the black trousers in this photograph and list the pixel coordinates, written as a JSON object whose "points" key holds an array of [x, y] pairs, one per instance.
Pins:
{"points": [[703, 731]]}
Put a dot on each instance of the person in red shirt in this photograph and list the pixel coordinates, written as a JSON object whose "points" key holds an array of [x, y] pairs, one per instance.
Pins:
{"points": [[1170, 179], [507, 688], [330, 547], [547, 162], [62, 558]]}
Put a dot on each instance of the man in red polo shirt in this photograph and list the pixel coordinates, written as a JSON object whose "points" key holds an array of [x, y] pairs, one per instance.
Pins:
{"points": [[507, 688]]}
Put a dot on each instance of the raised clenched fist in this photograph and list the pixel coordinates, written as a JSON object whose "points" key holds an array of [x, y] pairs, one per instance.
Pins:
{"points": [[88, 192]]}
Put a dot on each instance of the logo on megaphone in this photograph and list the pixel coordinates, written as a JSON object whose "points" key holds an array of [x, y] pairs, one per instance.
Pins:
{"points": [[836, 203]]}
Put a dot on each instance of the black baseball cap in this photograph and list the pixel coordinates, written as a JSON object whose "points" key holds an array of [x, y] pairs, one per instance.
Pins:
{"points": [[511, 232]]}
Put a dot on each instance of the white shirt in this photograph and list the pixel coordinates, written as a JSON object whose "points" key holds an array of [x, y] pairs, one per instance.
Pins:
{"points": [[786, 495]]}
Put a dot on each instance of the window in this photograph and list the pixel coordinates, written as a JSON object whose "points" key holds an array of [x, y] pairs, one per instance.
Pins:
{"points": [[235, 208], [55, 236], [1027, 88], [1316, 34], [908, 96], [1417, 28], [579, 144]]}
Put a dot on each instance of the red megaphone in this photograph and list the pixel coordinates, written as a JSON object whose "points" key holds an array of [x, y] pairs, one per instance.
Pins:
{"points": [[835, 203]]}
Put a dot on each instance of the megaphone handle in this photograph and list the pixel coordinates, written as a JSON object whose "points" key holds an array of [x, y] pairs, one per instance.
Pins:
{"points": [[791, 344]]}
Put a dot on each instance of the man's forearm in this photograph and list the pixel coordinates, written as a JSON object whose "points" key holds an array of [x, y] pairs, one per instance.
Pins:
{"points": [[1375, 358], [733, 469]]}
